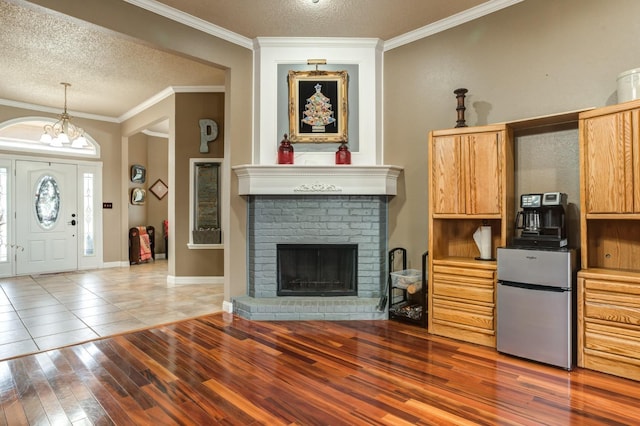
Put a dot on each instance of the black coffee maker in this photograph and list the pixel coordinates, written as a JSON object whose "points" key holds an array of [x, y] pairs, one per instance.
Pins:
{"points": [[541, 220]]}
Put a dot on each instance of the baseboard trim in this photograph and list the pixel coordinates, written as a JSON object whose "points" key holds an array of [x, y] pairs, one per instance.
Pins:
{"points": [[116, 264], [173, 280]]}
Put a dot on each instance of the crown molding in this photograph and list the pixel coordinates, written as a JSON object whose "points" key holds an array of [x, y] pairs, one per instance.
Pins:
{"points": [[58, 111], [479, 11], [450, 22], [193, 22], [155, 134], [133, 111], [165, 94], [324, 42]]}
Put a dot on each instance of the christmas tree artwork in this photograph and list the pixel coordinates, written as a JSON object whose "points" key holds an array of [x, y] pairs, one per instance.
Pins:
{"points": [[318, 111]]}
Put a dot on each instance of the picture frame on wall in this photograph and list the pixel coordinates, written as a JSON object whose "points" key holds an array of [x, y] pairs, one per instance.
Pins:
{"points": [[318, 106], [159, 189], [138, 196], [138, 173]]}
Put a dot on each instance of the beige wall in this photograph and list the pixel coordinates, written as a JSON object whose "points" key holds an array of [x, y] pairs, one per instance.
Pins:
{"points": [[158, 162], [183, 110], [152, 153], [137, 214], [534, 58], [190, 108]]}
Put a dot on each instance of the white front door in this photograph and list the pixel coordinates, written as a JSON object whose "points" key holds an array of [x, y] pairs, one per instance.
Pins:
{"points": [[47, 217]]}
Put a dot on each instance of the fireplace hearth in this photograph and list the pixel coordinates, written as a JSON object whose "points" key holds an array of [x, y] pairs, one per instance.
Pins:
{"points": [[317, 269]]}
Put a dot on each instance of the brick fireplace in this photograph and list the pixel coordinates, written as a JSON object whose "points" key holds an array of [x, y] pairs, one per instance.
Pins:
{"points": [[315, 211]]}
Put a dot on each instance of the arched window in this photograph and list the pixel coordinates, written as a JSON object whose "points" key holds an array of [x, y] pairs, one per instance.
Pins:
{"points": [[23, 135]]}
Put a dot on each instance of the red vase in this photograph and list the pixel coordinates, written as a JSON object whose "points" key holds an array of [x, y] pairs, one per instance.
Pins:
{"points": [[343, 156], [285, 151]]}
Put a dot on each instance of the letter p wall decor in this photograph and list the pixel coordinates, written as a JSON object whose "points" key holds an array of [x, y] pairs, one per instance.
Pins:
{"points": [[208, 133]]}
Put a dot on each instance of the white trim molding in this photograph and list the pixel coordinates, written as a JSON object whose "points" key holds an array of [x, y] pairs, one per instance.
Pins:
{"points": [[452, 21], [317, 180], [172, 280], [192, 21], [176, 15], [363, 53]]}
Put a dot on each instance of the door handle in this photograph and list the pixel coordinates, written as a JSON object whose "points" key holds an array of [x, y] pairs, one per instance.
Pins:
{"points": [[73, 222]]}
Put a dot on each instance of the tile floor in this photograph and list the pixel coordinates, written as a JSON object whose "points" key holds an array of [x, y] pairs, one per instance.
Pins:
{"points": [[43, 312]]}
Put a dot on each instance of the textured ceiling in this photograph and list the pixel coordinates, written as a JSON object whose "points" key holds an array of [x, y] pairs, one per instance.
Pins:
{"points": [[111, 74], [382, 19]]}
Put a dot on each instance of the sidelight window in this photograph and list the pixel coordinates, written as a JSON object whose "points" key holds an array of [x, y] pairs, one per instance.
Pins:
{"points": [[87, 217], [4, 234]]}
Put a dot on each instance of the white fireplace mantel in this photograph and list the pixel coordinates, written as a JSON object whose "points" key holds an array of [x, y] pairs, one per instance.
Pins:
{"points": [[318, 180]]}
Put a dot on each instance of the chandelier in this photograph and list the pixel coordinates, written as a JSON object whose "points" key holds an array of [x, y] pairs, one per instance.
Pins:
{"points": [[63, 132]]}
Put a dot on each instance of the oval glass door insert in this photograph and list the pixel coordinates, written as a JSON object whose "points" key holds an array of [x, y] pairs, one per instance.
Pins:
{"points": [[47, 202]]}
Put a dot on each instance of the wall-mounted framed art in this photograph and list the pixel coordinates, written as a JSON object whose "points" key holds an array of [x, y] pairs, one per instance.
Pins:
{"points": [[159, 189], [138, 173], [138, 196], [318, 106]]}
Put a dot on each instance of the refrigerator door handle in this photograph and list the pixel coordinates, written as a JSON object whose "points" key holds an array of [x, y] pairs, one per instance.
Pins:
{"points": [[535, 287]]}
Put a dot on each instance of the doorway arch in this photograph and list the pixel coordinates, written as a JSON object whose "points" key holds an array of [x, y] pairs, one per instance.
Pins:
{"points": [[23, 135]]}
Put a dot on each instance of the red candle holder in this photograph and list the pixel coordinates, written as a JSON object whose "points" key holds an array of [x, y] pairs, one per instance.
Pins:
{"points": [[343, 156], [285, 151]]}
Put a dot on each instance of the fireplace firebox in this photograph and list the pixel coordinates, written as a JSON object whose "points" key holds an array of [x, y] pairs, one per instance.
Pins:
{"points": [[317, 269]]}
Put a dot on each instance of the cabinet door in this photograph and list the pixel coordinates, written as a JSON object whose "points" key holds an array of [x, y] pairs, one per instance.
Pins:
{"points": [[483, 195], [466, 174], [447, 175], [608, 163]]}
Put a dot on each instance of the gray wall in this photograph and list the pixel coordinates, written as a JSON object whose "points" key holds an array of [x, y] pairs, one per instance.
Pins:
{"points": [[531, 59]]}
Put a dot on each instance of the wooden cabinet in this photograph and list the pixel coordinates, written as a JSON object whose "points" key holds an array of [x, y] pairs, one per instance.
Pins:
{"points": [[470, 185], [609, 282], [466, 172], [609, 322], [463, 301], [610, 161]]}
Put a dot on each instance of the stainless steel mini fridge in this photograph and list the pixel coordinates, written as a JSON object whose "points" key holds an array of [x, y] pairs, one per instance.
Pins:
{"points": [[536, 306]]}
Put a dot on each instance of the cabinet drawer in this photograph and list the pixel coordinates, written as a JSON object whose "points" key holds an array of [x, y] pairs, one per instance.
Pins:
{"points": [[464, 273], [467, 284], [612, 340], [456, 290], [598, 289], [618, 314], [452, 312], [618, 302]]}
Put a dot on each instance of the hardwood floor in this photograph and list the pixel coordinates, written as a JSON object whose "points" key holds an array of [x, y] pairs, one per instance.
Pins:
{"points": [[221, 369]]}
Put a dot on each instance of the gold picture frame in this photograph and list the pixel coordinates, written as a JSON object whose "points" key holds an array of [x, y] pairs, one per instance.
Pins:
{"points": [[318, 106]]}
